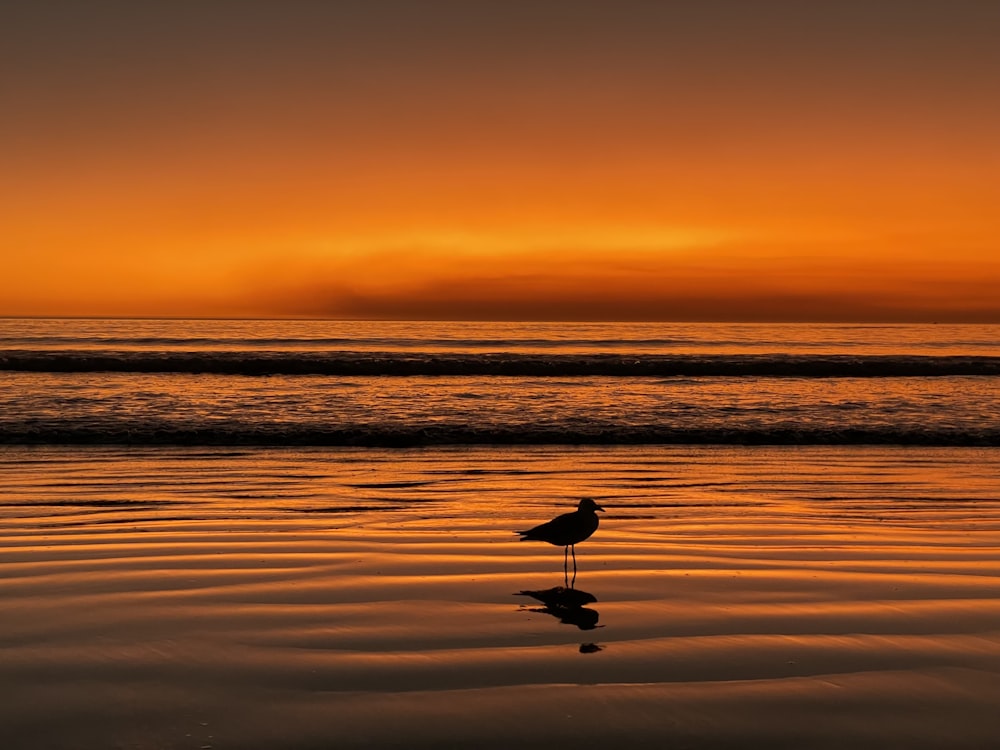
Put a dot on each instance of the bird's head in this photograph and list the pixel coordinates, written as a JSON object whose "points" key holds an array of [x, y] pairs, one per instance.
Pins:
{"points": [[588, 503]]}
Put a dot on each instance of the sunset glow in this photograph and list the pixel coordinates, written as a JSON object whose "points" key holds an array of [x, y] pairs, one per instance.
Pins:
{"points": [[555, 161]]}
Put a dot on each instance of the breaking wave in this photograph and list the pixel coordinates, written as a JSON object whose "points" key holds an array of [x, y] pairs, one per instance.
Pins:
{"points": [[406, 435], [501, 364]]}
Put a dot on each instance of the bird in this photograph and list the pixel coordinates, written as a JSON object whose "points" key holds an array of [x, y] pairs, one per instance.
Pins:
{"points": [[567, 530]]}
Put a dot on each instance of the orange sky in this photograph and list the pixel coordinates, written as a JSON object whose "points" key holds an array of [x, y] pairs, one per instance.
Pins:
{"points": [[546, 160]]}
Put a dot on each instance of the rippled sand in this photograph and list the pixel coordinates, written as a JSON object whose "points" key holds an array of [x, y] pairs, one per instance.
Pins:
{"points": [[745, 597]]}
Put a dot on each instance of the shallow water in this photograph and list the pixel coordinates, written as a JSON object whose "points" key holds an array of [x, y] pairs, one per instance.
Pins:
{"points": [[213, 409], [806, 597]]}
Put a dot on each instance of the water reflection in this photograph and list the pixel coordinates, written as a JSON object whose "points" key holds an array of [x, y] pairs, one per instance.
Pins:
{"points": [[568, 605]]}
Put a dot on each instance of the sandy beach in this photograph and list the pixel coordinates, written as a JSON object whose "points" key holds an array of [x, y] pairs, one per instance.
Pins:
{"points": [[739, 597]]}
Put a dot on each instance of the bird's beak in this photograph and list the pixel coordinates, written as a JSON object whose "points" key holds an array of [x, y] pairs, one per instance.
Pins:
{"points": [[598, 507]]}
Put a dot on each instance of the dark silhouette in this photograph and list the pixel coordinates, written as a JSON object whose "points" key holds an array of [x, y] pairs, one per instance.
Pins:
{"points": [[567, 531], [567, 605]]}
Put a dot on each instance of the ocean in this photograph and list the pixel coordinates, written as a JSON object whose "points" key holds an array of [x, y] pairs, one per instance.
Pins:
{"points": [[300, 534], [392, 384]]}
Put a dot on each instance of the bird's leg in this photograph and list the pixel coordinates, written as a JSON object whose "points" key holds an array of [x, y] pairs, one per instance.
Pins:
{"points": [[566, 564], [573, 547]]}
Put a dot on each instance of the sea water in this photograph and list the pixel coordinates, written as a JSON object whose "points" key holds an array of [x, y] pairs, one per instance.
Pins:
{"points": [[388, 384]]}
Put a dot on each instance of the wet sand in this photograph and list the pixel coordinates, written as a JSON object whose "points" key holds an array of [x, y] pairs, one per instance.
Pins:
{"points": [[743, 597]]}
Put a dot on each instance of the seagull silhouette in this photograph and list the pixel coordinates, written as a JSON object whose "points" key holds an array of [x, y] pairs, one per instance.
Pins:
{"points": [[567, 531]]}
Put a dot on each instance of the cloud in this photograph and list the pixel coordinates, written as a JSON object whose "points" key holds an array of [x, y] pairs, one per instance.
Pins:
{"points": [[717, 283]]}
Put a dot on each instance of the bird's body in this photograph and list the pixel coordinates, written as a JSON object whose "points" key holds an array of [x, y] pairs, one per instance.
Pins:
{"points": [[567, 530]]}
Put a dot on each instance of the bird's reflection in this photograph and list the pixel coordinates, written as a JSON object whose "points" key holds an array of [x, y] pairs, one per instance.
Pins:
{"points": [[567, 605]]}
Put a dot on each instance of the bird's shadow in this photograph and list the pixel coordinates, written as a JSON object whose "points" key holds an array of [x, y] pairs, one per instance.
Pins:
{"points": [[568, 605]]}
